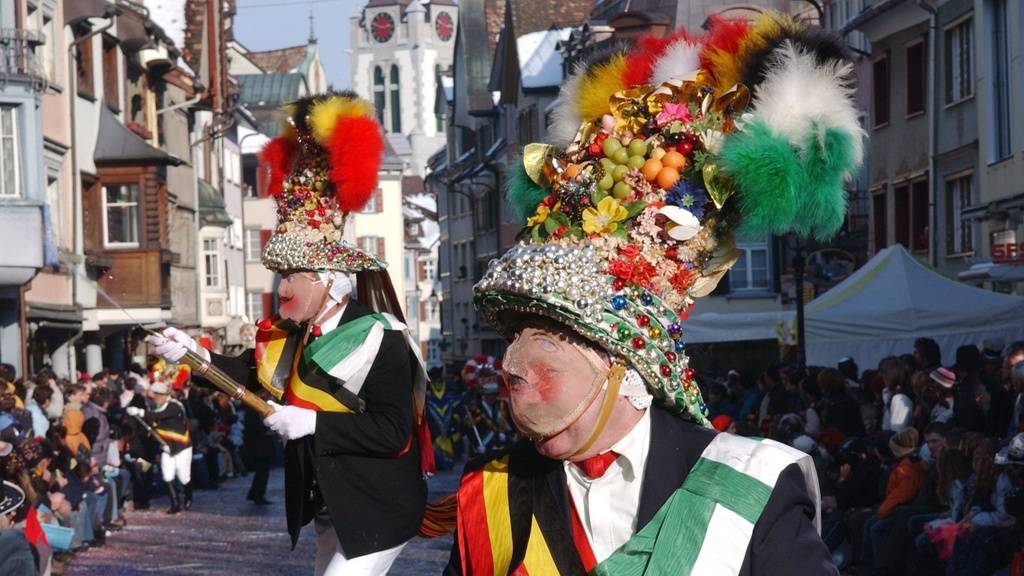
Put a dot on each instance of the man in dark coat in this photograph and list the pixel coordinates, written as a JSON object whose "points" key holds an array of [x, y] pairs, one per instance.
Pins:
{"points": [[349, 380]]}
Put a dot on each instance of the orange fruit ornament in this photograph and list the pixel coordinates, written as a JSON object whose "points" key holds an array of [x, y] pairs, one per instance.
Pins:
{"points": [[667, 177], [651, 168], [674, 159]]}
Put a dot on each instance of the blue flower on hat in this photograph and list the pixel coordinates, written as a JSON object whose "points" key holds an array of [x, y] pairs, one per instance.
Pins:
{"points": [[689, 196]]}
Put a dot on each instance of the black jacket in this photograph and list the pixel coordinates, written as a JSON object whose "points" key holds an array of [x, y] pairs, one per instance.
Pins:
{"points": [[784, 540], [375, 499]]}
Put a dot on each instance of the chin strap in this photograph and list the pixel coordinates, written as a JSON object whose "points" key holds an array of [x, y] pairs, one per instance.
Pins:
{"points": [[611, 394], [323, 302]]}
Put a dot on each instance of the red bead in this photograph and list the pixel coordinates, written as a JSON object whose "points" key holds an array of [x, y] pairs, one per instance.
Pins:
{"points": [[549, 200], [666, 370], [686, 147], [683, 315], [642, 321], [618, 284], [639, 343], [595, 149], [688, 375], [670, 356]]}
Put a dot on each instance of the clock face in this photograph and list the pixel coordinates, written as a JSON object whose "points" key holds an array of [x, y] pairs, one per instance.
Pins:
{"points": [[382, 27], [444, 26]]}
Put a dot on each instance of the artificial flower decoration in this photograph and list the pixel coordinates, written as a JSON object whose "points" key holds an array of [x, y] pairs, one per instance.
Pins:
{"points": [[672, 112], [682, 224], [605, 219], [660, 156], [539, 216]]}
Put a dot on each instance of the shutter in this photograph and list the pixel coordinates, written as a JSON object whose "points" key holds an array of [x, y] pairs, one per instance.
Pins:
{"points": [[421, 272], [423, 311], [268, 306], [264, 238], [378, 200], [380, 247]]}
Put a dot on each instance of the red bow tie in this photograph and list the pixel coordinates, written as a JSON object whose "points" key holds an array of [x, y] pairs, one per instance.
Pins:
{"points": [[596, 466]]}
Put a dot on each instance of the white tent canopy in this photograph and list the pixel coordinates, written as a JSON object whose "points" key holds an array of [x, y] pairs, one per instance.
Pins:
{"points": [[711, 327], [893, 299]]}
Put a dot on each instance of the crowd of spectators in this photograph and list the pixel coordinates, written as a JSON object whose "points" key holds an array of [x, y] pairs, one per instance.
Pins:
{"points": [[74, 456], [921, 464]]}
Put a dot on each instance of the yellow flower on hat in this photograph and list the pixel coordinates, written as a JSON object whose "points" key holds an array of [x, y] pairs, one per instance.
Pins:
{"points": [[541, 214], [605, 219]]}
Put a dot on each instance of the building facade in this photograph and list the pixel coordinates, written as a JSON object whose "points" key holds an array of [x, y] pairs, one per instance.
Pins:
{"points": [[946, 136]]}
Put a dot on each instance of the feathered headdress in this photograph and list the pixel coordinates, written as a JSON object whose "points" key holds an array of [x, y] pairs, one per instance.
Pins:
{"points": [[322, 168], [661, 155]]}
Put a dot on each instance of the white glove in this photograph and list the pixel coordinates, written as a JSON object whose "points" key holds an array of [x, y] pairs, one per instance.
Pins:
{"points": [[135, 411], [165, 448], [291, 422], [174, 344]]}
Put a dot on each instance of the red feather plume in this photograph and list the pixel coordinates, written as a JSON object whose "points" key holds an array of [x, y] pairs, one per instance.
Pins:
{"points": [[279, 154], [723, 36], [354, 152], [648, 48]]}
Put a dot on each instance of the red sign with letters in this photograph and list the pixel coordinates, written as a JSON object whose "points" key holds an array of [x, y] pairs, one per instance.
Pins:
{"points": [[1008, 253]]}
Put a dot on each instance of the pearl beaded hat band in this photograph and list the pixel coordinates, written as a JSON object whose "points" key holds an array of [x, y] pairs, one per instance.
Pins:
{"points": [[660, 156], [323, 167]]}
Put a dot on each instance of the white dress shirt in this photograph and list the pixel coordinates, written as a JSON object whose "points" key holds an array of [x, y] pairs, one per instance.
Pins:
{"points": [[607, 506]]}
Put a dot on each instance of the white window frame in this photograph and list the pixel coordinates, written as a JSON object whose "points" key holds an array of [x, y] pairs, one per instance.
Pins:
{"points": [[211, 272], [371, 206], [954, 186], [429, 269], [253, 299], [106, 213], [15, 154], [369, 244], [748, 277], [250, 243], [951, 38]]}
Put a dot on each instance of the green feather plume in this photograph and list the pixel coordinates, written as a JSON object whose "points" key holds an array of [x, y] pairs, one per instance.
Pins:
{"points": [[821, 204], [768, 175], [521, 192]]}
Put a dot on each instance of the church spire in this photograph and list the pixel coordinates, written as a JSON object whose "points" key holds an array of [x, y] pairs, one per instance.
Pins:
{"points": [[312, 32]]}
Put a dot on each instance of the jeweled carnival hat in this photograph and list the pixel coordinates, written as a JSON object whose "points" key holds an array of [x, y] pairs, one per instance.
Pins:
{"points": [[323, 167], [660, 156]]}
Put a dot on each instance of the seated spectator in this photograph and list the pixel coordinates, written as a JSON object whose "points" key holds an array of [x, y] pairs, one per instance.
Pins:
{"points": [[839, 409], [37, 406], [898, 406], [718, 402], [902, 487]]}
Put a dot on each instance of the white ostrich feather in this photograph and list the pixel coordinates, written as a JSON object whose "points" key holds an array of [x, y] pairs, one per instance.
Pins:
{"points": [[799, 96], [680, 58], [565, 116]]}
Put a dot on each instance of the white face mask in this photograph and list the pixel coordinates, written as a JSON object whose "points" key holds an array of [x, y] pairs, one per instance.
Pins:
{"points": [[551, 380]]}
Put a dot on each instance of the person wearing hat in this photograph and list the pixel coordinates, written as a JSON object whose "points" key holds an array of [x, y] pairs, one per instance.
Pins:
{"points": [[344, 368], [660, 155], [902, 486], [946, 380], [170, 422]]}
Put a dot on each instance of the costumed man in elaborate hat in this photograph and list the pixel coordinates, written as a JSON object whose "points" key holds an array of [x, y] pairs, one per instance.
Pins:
{"points": [[662, 155], [351, 382], [170, 423]]}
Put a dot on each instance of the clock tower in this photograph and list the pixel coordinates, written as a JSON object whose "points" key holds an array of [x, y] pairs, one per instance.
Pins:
{"points": [[398, 48]]}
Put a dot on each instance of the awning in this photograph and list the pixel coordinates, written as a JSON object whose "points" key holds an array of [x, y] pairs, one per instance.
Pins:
{"points": [[212, 210], [54, 312], [998, 272], [998, 208], [131, 32], [75, 12], [117, 145]]}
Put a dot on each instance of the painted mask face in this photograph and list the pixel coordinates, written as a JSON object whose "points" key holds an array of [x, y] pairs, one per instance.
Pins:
{"points": [[552, 380], [301, 295]]}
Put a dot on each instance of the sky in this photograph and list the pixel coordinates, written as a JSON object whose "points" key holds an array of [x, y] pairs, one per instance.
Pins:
{"points": [[271, 24]]}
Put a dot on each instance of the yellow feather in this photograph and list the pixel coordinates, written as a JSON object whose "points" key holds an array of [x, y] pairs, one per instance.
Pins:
{"points": [[598, 86], [768, 28], [324, 115]]}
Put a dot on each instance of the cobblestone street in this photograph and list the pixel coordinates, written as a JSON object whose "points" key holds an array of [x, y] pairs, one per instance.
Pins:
{"points": [[225, 534]]}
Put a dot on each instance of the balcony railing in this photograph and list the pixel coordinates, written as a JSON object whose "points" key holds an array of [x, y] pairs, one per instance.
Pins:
{"points": [[18, 59]]}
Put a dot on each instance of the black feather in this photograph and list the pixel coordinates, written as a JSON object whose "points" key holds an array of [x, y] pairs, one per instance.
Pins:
{"points": [[303, 106], [825, 46]]}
